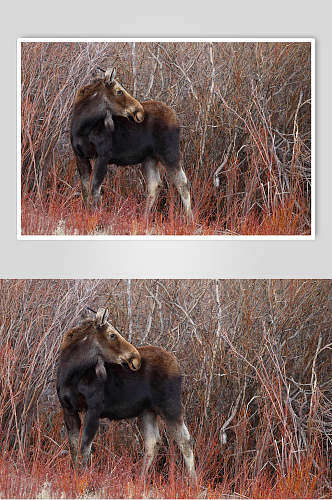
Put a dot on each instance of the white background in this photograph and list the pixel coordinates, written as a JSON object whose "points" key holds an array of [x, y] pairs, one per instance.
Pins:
{"points": [[176, 258]]}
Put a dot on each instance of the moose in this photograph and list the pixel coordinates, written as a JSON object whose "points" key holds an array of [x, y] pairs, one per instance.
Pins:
{"points": [[102, 375], [112, 127]]}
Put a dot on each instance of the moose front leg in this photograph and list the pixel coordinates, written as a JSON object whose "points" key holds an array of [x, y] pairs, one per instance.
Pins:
{"points": [[84, 168], [99, 172], [90, 427], [73, 425]]}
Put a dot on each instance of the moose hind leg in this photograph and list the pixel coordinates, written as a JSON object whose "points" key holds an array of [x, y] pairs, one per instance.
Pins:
{"points": [[73, 426], [179, 179], [151, 439], [153, 181], [182, 437]]}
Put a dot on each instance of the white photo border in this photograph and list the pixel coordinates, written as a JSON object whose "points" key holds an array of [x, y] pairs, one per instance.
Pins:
{"points": [[281, 39]]}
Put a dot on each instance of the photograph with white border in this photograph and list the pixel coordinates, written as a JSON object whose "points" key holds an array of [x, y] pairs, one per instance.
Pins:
{"points": [[178, 138]]}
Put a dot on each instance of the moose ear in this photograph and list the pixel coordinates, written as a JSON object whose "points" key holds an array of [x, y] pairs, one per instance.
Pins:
{"points": [[102, 316], [109, 75]]}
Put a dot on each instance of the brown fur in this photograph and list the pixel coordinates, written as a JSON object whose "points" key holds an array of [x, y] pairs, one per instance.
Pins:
{"points": [[111, 344], [161, 112], [76, 334], [100, 130], [85, 92], [158, 357], [87, 381], [122, 103]]}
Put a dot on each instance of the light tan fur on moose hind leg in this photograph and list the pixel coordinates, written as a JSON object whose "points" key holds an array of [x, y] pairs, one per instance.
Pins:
{"points": [[180, 433], [179, 179], [153, 183]]}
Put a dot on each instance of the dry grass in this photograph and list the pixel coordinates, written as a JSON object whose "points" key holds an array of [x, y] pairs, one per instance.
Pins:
{"points": [[245, 116], [256, 358]]}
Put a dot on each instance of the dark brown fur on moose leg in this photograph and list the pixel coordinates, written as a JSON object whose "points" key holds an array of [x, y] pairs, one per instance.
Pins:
{"points": [[73, 424], [84, 168]]}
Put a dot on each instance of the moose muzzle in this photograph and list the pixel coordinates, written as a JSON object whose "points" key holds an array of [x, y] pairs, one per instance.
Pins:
{"points": [[138, 115], [134, 362]]}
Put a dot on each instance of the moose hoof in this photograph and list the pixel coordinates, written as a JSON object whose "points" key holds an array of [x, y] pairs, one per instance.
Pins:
{"points": [[96, 201], [83, 462]]}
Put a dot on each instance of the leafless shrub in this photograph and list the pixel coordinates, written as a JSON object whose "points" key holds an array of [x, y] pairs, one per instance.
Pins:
{"points": [[256, 356], [250, 99]]}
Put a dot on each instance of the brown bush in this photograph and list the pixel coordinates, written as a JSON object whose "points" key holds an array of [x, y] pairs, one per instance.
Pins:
{"points": [[256, 359], [245, 116]]}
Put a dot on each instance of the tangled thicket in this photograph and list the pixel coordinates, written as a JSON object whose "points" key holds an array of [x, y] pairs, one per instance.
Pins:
{"points": [[256, 359], [245, 115]]}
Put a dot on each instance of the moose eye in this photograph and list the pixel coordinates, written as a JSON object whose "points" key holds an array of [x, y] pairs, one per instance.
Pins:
{"points": [[112, 336], [119, 92]]}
